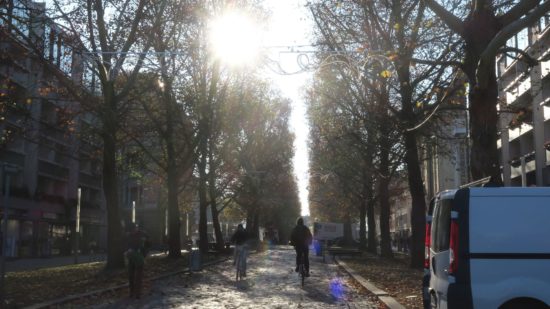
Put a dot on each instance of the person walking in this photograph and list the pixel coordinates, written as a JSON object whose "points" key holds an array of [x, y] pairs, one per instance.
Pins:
{"points": [[135, 254], [301, 239], [239, 238]]}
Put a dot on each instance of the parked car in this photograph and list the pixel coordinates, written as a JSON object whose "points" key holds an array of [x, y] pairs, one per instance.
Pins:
{"points": [[490, 248]]}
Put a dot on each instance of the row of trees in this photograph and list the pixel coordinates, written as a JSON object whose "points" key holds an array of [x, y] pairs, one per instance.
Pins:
{"points": [[166, 107], [387, 69]]}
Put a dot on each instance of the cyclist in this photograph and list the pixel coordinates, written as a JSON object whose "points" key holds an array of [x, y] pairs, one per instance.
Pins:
{"points": [[301, 239], [239, 239]]}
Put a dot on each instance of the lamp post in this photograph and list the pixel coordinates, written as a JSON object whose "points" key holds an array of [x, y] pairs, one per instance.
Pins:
{"points": [[134, 212], [77, 227], [7, 171]]}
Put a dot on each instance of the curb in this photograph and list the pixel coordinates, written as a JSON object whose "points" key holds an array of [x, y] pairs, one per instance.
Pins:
{"points": [[382, 295], [116, 287]]}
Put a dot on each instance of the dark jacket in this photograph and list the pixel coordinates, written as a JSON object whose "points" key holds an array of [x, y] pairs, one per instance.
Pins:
{"points": [[137, 248], [301, 236], [239, 237], [138, 241]]}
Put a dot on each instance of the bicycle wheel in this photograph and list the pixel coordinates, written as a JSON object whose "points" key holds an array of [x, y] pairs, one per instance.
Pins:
{"points": [[238, 266], [303, 275]]}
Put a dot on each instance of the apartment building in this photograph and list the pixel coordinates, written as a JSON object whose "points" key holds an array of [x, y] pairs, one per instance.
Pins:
{"points": [[524, 105], [40, 132]]}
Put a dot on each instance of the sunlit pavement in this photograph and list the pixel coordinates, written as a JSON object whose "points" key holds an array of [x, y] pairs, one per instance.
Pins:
{"points": [[271, 283]]}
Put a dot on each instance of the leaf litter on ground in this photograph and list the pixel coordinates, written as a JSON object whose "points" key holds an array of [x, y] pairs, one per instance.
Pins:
{"points": [[391, 275], [25, 288]]}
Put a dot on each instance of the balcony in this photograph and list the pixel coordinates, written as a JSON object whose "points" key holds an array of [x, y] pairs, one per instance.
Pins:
{"points": [[50, 198], [12, 157], [518, 92], [53, 170], [90, 181]]}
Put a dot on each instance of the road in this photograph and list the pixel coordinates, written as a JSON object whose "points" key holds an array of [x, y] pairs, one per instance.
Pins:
{"points": [[271, 283]]}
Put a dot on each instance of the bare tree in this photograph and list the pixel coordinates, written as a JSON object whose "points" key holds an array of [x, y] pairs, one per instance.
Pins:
{"points": [[112, 33]]}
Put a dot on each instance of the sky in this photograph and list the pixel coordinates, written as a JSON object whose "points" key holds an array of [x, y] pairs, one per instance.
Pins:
{"points": [[290, 26]]}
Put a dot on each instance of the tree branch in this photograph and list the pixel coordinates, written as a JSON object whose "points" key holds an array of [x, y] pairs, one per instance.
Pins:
{"points": [[438, 62], [447, 17], [515, 13], [528, 59]]}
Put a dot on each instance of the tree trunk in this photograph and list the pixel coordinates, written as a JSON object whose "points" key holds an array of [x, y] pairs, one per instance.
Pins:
{"points": [[348, 233], [256, 230], [368, 192], [484, 156], [174, 224], [416, 184], [418, 210], [203, 199], [371, 240], [384, 197], [216, 222], [213, 203], [115, 246], [362, 224], [249, 220], [174, 242]]}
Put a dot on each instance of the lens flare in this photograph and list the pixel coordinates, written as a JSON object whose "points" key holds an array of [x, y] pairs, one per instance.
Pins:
{"points": [[336, 288], [235, 38]]}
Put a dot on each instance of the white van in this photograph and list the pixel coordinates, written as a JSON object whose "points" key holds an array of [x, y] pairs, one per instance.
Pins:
{"points": [[490, 248]]}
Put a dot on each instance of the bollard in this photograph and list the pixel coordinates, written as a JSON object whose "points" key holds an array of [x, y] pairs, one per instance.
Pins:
{"points": [[194, 260]]}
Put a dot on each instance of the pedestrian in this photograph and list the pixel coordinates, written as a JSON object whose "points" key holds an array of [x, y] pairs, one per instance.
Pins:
{"points": [[136, 253], [239, 238], [301, 239]]}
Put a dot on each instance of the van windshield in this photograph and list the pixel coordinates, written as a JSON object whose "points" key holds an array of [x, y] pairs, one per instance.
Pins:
{"points": [[441, 223]]}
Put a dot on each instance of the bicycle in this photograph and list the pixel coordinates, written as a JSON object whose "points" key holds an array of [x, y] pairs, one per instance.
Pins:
{"points": [[302, 270], [240, 263]]}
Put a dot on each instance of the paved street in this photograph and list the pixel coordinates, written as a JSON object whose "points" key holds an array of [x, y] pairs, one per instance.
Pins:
{"points": [[271, 283]]}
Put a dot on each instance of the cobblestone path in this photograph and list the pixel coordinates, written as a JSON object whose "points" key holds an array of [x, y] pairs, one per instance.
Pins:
{"points": [[271, 283]]}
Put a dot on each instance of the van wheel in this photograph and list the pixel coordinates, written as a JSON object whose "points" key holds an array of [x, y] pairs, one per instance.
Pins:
{"points": [[522, 303], [433, 301]]}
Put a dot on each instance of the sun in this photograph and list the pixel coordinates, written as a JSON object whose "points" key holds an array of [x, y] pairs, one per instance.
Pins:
{"points": [[235, 39]]}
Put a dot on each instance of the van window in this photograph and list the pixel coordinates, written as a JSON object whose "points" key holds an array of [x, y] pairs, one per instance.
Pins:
{"points": [[441, 223]]}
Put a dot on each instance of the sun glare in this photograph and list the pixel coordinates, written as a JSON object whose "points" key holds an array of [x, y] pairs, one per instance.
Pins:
{"points": [[235, 39]]}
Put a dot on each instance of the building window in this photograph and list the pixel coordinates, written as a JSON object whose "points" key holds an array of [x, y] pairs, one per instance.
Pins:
{"points": [[519, 41], [544, 21], [20, 21], [65, 59], [48, 37]]}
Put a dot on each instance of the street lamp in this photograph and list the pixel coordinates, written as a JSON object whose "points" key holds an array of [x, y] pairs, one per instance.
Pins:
{"points": [[7, 171], [77, 227]]}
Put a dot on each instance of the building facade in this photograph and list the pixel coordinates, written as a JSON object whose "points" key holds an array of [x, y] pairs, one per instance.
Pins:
{"points": [[524, 106], [40, 127]]}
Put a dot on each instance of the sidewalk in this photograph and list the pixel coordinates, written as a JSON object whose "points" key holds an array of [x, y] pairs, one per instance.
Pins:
{"points": [[56, 261], [26, 288]]}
